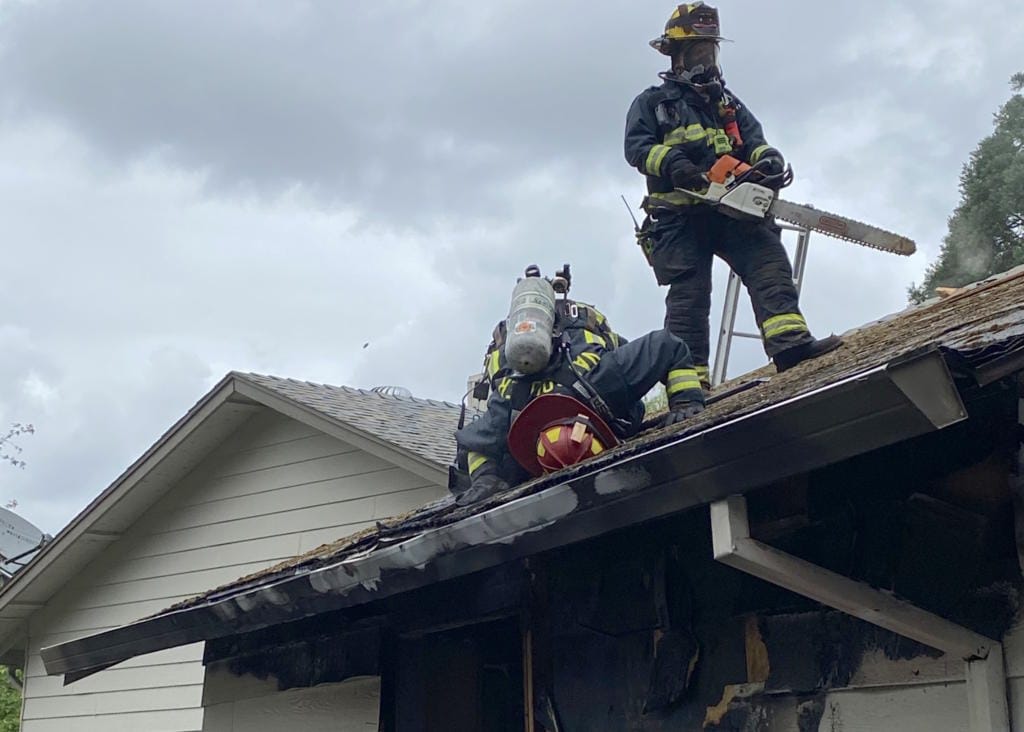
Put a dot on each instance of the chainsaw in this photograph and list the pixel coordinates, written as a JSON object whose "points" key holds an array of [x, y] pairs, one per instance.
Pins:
{"points": [[746, 192]]}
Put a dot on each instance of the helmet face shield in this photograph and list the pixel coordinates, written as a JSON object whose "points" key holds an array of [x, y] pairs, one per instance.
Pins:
{"points": [[695, 56]]}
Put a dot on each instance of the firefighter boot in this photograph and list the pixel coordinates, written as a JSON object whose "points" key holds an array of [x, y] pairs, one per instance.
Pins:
{"points": [[792, 356]]}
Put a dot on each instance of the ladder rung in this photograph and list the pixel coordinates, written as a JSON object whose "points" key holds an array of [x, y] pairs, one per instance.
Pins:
{"points": [[755, 336]]}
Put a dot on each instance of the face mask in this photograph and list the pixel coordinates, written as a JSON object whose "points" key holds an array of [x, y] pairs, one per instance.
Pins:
{"points": [[699, 58]]}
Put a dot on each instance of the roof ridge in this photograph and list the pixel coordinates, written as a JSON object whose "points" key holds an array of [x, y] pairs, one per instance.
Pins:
{"points": [[352, 390]]}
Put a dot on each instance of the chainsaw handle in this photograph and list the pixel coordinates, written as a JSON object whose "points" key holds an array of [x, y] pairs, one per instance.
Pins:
{"points": [[756, 175]]}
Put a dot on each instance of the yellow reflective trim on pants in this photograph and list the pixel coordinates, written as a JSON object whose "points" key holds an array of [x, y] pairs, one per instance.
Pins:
{"points": [[587, 360], [681, 380], [591, 337], [786, 323], [690, 133], [655, 158], [794, 328], [476, 461], [702, 371], [683, 386], [493, 363], [758, 152]]}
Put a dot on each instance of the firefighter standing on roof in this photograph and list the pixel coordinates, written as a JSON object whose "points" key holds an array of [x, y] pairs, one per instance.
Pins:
{"points": [[674, 134], [583, 358]]}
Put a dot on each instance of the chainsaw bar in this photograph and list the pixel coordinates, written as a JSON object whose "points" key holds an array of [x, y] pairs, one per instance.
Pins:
{"points": [[840, 227]]}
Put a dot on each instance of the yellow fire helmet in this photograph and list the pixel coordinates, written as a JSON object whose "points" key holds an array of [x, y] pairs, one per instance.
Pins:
{"points": [[689, 22]]}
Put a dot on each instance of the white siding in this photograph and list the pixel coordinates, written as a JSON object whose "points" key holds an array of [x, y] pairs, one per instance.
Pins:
{"points": [[915, 695], [273, 490], [255, 705], [1013, 652], [929, 708]]}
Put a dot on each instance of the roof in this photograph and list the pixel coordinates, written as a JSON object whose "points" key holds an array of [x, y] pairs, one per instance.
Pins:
{"points": [[893, 380], [412, 433], [421, 426]]}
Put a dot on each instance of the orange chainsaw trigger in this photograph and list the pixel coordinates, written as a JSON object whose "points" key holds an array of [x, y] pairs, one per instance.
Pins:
{"points": [[724, 167]]}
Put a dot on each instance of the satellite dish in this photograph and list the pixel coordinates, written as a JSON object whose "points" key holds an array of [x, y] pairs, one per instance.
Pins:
{"points": [[19, 541]]}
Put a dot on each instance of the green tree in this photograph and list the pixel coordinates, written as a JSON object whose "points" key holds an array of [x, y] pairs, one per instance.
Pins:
{"points": [[986, 231], [10, 702]]}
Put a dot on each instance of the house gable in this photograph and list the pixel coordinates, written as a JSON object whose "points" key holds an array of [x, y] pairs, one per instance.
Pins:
{"points": [[274, 489], [259, 471]]}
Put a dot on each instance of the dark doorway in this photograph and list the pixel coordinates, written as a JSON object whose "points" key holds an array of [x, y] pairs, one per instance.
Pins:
{"points": [[464, 680]]}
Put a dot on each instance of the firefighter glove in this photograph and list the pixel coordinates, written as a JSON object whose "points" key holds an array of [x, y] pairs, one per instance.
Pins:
{"points": [[684, 174], [482, 488], [680, 411], [772, 162]]}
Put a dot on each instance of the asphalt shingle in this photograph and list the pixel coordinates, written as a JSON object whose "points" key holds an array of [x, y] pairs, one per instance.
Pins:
{"points": [[424, 427]]}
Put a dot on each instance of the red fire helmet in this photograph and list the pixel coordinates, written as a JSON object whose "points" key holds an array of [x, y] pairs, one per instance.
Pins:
{"points": [[555, 431]]}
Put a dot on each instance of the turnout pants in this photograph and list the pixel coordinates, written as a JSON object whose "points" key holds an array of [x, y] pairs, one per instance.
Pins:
{"points": [[682, 246], [624, 376]]}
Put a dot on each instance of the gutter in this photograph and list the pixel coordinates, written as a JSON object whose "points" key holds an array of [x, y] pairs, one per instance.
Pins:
{"points": [[879, 407]]}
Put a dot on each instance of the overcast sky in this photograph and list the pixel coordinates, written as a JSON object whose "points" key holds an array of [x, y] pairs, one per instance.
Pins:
{"points": [[192, 187]]}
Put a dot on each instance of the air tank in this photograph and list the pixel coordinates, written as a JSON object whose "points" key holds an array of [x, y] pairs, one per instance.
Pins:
{"points": [[530, 323]]}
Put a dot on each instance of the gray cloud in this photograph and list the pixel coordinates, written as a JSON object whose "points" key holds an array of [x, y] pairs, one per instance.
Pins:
{"points": [[189, 188]]}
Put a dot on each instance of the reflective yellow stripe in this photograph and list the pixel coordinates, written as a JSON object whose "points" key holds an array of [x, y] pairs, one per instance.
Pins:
{"points": [[681, 380], [758, 152], [691, 133], [493, 363], [683, 386], [504, 387], [673, 198], [794, 328], [655, 158], [587, 360], [476, 461], [615, 339], [591, 337], [786, 323], [702, 371]]}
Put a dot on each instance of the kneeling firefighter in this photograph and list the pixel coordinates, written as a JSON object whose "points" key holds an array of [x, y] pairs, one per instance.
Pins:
{"points": [[564, 387]]}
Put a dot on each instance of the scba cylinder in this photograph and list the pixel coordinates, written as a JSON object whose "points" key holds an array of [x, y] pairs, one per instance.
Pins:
{"points": [[530, 323]]}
